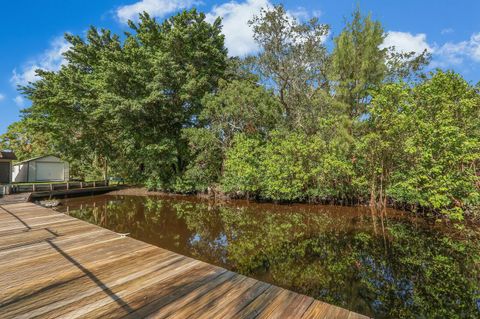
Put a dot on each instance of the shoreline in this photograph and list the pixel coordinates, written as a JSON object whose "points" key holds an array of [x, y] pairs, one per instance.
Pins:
{"points": [[143, 191]]}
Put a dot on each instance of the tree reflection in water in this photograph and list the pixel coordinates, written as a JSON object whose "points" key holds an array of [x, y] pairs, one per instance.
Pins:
{"points": [[390, 267]]}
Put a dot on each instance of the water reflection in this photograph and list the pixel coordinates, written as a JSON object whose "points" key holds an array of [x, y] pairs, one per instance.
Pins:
{"points": [[389, 266]]}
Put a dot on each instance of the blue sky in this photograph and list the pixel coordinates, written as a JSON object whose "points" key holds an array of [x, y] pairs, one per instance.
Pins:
{"points": [[31, 31]]}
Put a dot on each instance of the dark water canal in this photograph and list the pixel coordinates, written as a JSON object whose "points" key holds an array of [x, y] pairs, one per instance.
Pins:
{"points": [[388, 266]]}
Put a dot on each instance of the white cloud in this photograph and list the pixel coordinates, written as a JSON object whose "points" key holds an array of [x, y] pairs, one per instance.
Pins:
{"points": [[475, 46], [456, 53], [156, 8], [50, 60], [447, 31], [407, 42], [303, 14], [2, 97], [446, 55], [19, 101], [235, 16]]}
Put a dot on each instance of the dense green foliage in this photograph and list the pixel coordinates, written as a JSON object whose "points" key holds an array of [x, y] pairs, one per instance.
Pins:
{"points": [[165, 106]]}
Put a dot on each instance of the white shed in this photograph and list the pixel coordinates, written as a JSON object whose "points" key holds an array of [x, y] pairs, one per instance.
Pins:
{"points": [[41, 169]]}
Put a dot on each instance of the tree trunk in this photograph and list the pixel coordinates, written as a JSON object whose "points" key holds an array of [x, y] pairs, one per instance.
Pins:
{"points": [[105, 170]]}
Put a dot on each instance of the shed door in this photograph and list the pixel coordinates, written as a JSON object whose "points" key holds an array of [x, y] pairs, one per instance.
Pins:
{"points": [[50, 171], [4, 172]]}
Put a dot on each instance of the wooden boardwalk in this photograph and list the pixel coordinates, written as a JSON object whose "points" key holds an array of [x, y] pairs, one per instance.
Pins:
{"points": [[15, 198], [55, 266]]}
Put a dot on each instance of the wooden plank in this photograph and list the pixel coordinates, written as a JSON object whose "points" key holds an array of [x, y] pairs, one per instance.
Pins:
{"points": [[157, 295], [203, 299], [25, 238], [28, 211], [24, 254], [13, 215], [257, 306], [99, 308], [28, 280], [58, 296], [317, 309], [33, 223], [283, 297], [31, 285], [63, 261], [219, 307], [66, 228], [160, 309], [231, 308], [294, 307], [354, 315], [91, 295]]}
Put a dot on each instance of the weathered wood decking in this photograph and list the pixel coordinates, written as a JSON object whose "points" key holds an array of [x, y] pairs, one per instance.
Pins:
{"points": [[15, 198], [53, 265]]}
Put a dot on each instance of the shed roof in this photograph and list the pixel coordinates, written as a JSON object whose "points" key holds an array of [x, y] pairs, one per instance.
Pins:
{"points": [[36, 158], [7, 155]]}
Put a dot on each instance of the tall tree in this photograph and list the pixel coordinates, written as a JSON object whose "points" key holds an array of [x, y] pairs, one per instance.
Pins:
{"points": [[293, 58], [126, 102], [358, 62], [25, 141]]}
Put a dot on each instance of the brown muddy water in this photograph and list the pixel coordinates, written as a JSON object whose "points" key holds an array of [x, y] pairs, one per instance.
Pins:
{"points": [[391, 266]]}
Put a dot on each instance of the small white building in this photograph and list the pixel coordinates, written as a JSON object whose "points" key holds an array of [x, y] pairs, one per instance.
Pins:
{"points": [[41, 169]]}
